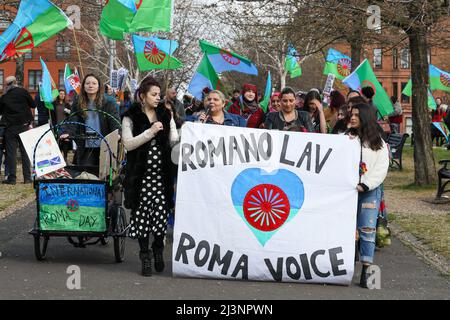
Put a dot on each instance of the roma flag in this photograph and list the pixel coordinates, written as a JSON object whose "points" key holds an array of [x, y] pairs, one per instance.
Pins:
{"points": [[224, 60], [154, 53], [364, 76], [439, 80], [204, 77], [338, 64], [127, 16], [292, 63], [36, 22], [48, 89]]}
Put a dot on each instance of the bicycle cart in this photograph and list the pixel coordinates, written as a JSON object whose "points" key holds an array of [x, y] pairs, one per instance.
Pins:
{"points": [[84, 210]]}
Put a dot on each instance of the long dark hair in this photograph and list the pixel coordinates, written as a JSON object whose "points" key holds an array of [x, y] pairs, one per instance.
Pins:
{"points": [[310, 96], [83, 98], [368, 127]]}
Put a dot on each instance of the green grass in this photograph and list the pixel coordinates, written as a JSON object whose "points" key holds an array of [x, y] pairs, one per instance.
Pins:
{"points": [[432, 230]]}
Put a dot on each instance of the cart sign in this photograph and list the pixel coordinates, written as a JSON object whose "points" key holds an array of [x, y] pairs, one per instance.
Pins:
{"points": [[48, 157], [78, 207], [265, 205]]}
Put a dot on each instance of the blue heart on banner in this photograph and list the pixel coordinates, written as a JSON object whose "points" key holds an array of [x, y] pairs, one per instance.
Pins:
{"points": [[267, 201]]}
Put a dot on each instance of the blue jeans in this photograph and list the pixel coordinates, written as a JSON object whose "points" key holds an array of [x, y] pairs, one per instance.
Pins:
{"points": [[368, 207]]}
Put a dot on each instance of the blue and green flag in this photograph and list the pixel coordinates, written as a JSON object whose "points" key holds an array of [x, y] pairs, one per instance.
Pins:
{"points": [[292, 63], [364, 76], [338, 64], [204, 77], [35, 22], [267, 94], [154, 53], [224, 60], [48, 90]]}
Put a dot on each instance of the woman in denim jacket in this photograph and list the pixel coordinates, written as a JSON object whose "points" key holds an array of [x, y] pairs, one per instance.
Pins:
{"points": [[374, 166], [215, 113]]}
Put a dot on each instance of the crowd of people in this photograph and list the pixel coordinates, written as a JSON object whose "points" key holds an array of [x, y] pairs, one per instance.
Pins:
{"points": [[150, 127]]}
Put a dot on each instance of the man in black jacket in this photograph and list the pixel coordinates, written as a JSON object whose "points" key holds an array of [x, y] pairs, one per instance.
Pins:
{"points": [[15, 108]]}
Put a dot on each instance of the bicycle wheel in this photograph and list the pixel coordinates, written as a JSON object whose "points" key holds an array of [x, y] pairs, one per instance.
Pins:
{"points": [[120, 237], [40, 251]]}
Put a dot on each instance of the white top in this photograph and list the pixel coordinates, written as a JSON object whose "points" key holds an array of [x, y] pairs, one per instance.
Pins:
{"points": [[131, 143], [377, 163]]}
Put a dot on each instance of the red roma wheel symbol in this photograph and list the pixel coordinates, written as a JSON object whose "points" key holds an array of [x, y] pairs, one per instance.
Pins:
{"points": [[22, 44], [72, 205], [266, 207], [344, 66], [153, 54], [445, 80], [229, 58], [138, 4]]}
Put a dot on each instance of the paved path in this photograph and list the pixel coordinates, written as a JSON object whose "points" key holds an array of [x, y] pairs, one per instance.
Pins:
{"points": [[404, 275]]}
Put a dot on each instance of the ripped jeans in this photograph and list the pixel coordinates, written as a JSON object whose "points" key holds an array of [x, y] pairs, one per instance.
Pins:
{"points": [[368, 206]]}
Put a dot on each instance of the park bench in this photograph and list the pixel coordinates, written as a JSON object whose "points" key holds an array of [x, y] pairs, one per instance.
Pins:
{"points": [[444, 178], [396, 142]]}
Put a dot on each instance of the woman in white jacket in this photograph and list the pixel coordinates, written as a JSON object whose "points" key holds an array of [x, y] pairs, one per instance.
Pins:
{"points": [[373, 170]]}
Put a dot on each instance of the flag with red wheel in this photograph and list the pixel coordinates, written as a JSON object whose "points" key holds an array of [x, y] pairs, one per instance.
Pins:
{"points": [[36, 22]]}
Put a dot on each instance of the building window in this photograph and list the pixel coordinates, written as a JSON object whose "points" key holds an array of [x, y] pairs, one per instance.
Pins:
{"points": [[34, 77], [395, 89], [62, 50], [2, 77], [61, 79], [404, 60], [4, 19], [405, 99], [28, 55], [395, 58], [377, 58]]}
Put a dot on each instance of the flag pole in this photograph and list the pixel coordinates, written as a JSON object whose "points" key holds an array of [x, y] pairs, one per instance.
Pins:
{"points": [[168, 68], [78, 51]]}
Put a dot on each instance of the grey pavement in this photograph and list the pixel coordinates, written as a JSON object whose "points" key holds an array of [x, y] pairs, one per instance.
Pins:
{"points": [[403, 274]]}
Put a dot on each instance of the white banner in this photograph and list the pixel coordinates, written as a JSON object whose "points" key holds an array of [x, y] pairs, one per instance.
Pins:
{"points": [[265, 205], [48, 157]]}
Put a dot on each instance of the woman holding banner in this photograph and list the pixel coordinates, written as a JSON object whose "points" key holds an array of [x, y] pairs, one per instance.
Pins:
{"points": [[215, 113], [374, 165], [288, 118], [148, 133]]}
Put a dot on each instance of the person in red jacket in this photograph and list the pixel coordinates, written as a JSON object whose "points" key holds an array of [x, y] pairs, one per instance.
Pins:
{"points": [[248, 107]]}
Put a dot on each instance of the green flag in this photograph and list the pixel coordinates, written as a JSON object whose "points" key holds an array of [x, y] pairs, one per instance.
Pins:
{"points": [[407, 91], [364, 76], [152, 16], [128, 16], [116, 18]]}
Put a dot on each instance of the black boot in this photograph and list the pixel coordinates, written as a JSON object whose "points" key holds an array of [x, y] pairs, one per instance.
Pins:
{"points": [[364, 277], [158, 255], [146, 258]]}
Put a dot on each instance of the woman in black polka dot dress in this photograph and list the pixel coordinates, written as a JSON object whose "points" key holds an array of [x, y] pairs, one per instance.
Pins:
{"points": [[148, 132]]}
